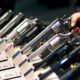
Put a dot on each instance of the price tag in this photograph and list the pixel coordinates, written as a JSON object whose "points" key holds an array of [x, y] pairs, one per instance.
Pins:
{"points": [[10, 73], [6, 65], [3, 56]]}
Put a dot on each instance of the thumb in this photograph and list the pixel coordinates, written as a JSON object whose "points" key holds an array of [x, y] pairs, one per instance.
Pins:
{"points": [[73, 22]]}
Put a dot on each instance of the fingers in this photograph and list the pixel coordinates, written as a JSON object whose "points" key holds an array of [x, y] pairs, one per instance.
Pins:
{"points": [[76, 31], [75, 18]]}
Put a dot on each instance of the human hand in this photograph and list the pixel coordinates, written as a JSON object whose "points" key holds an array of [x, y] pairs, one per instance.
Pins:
{"points": [[75, 18]]}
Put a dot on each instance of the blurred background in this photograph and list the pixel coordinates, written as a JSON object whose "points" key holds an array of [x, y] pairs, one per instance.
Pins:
{"points": [[46, 10]]}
